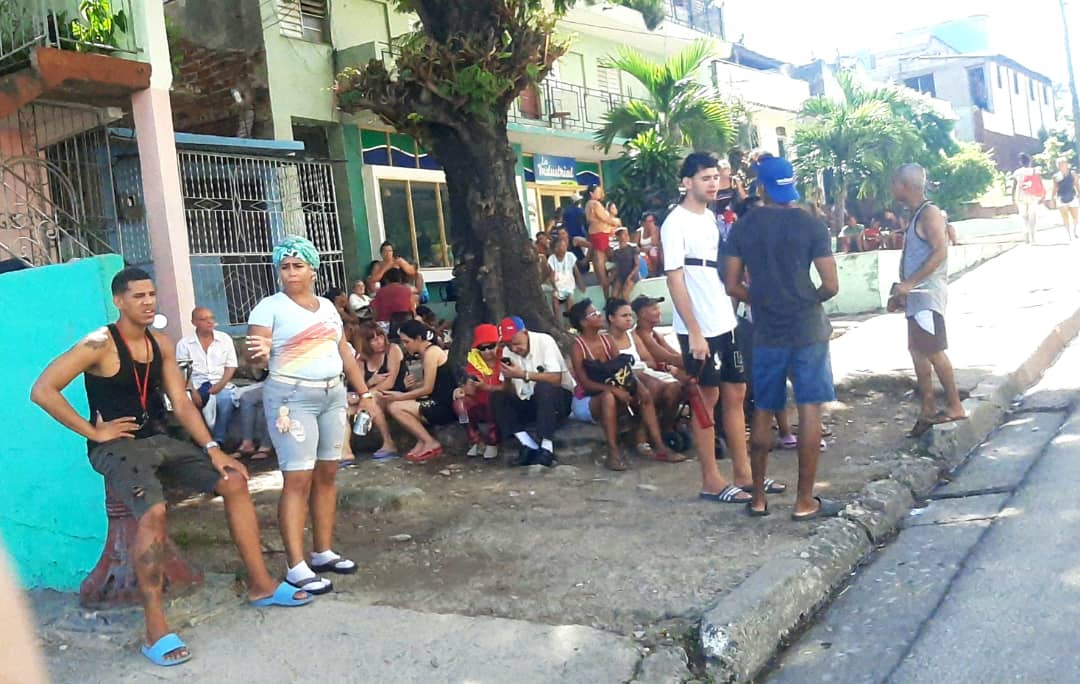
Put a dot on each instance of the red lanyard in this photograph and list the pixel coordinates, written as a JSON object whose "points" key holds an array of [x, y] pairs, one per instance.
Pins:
{"points": [[143, 387]]}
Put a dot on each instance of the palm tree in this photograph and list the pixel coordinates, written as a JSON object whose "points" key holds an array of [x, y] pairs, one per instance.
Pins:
{"points": [[679, 109], [859, 138]]}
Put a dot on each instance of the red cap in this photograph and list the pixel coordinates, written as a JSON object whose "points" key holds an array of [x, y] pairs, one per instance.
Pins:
{"points": [[486, 333], [510, 326]]}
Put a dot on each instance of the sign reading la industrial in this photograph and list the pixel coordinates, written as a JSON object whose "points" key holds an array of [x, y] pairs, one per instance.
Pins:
{"points": [[551, 169]]}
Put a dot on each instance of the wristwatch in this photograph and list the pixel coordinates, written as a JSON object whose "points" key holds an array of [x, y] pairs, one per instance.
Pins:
{"points": [[210, 445], [366, 395]]}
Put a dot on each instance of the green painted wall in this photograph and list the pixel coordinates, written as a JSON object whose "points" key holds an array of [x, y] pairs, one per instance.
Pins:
{"points": [[357, 245], [52, 514]]}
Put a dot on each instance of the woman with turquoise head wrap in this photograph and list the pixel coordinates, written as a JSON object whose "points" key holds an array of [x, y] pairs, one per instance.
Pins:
{"points": [[299, 336], [298, 247]]}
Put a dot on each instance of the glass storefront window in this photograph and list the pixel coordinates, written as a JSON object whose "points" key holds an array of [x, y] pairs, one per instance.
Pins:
{"points": [[416, 215]]}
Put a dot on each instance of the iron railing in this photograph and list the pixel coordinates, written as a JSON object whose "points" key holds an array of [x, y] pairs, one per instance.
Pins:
{"points": [[565, 106], [26, 24], [553, 104], [706, 16]]}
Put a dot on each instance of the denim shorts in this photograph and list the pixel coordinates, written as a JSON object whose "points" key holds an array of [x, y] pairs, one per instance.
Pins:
{"points": [[580, 409], [317, 424], [808, 367]]}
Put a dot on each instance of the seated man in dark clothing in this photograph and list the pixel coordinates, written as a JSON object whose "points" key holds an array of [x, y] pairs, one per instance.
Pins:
{"points": [[537, 386], [127, 367]]}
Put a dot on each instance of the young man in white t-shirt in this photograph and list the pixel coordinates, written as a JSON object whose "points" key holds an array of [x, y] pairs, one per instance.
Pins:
{"points": [[704, 320]]}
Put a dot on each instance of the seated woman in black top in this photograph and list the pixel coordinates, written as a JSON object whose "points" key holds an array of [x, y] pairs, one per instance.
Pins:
{"points": [[383, 363], [431, 403]]}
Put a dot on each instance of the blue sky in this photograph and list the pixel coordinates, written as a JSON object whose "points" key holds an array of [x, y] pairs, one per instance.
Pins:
{"points": [[1028, 31]]}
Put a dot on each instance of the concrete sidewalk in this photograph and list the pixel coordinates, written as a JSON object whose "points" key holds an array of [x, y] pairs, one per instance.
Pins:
{"points": [[578, 574]]}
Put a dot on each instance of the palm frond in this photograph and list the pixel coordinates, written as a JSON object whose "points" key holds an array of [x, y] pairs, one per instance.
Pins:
{"points": [[626, 121]]}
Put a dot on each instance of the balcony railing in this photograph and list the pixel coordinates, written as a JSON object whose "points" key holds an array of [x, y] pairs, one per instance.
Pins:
{"points": [[551, 104], [565, 106], [706, 16], [27, 24]]}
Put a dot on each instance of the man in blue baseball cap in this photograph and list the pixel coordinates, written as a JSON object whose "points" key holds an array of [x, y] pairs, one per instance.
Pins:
{"points": [[538, 387], [768, 257]]}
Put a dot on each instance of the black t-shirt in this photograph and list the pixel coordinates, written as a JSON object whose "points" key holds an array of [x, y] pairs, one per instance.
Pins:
{"points": [[778, 246]]}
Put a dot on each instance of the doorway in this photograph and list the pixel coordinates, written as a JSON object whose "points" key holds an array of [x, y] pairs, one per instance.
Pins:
{"points": [[545, 199]]}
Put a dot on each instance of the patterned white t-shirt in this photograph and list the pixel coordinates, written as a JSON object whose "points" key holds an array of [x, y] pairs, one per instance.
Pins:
{"points": [[304, 344]]}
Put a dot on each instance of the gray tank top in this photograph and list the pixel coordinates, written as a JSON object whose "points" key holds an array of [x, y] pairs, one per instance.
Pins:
{"points": [[931, 294]]}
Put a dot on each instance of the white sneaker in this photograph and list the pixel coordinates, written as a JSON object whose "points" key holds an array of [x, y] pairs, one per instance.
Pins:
{"points": [[474, 451], [491, 452]]}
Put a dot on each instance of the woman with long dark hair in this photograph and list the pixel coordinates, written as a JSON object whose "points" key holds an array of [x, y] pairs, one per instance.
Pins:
{"points": [[432, 402], [299, 336]]}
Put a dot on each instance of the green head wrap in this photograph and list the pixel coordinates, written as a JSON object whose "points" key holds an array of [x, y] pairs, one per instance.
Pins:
{"points": [[298, 247]]}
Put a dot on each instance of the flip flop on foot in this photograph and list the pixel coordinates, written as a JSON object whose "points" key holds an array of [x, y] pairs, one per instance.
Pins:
{"points": [[755, 513], [261, 453], [284, 595], [313, 585], [165, 646], [730, 494], [339, 565], [424, 456], [827, 508], [789, 442], [771, 487]]}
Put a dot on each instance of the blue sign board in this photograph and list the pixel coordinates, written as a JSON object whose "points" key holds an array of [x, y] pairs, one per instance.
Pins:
{"points": [[551, 169]]}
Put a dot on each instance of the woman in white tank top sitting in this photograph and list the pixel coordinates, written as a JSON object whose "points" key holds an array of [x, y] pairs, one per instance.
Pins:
{"points": [[663, 386]]}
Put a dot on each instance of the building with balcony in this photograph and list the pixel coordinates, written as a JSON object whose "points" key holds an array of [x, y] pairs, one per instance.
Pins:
{"points": [[766, 88], [999, 102], [287, 53]]}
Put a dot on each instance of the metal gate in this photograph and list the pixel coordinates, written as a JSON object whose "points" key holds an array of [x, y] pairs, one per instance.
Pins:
{"points": [[237, 208], [55, 185]]}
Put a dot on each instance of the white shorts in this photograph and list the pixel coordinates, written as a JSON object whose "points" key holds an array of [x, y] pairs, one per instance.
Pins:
{"points": [[579, 409], [1075, 204]]}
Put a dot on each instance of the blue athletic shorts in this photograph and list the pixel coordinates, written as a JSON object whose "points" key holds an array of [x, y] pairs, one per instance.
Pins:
{"points": [[808, 367]]}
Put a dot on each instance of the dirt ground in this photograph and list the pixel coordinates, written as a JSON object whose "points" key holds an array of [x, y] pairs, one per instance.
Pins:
{"points": [[627, 552]]}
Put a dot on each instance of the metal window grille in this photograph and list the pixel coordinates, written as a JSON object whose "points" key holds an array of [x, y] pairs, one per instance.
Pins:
{"points": [[237, 208], [56, 199]]}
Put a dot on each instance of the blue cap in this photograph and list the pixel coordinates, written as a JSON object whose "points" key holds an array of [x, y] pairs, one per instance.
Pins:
{"points": [[778, 178]]}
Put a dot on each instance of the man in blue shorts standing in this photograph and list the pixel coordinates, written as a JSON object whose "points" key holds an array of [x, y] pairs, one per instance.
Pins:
{"points": [[775, 246]]}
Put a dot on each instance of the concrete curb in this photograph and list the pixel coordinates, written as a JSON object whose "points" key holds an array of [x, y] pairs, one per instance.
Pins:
{"points": [[740, 635]]}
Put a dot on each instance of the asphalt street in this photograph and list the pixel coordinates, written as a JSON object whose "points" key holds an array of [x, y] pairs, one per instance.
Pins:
{"points": [[981, 585]]}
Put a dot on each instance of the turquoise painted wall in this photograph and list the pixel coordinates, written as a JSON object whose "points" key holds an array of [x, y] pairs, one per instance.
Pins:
{"points": [[52, 514]]}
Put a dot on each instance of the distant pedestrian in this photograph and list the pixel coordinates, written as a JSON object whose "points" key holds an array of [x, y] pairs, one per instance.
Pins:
{"points": [[601, 225], [1028, 193], [922, 294], [625, 257], [705, 322], [1067, 201], [777, 244]]}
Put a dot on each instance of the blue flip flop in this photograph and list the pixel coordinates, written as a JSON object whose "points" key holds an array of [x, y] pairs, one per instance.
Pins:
{"points": [[283, 596], [164, 646], [728, 495]]}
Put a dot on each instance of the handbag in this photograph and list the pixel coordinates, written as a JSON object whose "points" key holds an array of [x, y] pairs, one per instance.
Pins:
{"points": [[618, 372]]}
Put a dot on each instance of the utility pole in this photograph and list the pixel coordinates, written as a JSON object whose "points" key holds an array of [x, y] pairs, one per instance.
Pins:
{"points": [[1072, 84]]}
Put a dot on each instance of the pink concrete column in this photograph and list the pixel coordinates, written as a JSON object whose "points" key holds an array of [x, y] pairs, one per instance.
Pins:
{"points": [[164, 200], [164, 207]]}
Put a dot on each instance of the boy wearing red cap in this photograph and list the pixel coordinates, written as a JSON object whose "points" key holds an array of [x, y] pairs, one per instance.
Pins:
{"points": [[482, 376]]}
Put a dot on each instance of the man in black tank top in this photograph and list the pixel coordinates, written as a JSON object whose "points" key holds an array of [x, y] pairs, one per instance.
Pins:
{"points": [[126, 368]]}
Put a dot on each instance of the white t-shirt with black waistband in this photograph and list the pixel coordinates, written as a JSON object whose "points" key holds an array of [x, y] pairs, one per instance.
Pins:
{"points": [[689, 235]]}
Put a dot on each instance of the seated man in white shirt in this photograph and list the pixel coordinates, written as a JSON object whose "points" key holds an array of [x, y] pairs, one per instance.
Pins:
{"points": [[538, 386], [213, 362]]}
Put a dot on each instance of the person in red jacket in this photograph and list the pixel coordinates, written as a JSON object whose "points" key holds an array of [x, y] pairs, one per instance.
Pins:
{"points": [[471, 400]]}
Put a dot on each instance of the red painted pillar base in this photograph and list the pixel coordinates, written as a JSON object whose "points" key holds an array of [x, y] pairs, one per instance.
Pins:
{"points": [[112, 583]]}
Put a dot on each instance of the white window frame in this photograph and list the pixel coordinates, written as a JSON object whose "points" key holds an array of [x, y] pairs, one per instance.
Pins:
{"points": [[373, 175]]}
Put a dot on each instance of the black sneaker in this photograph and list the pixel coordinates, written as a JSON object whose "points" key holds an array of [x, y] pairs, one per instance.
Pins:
{"points": [[545, 458], [526, 456]]}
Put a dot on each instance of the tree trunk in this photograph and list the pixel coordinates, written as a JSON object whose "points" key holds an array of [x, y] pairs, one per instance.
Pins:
{"points": [[496, 269], [840, 216]]}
